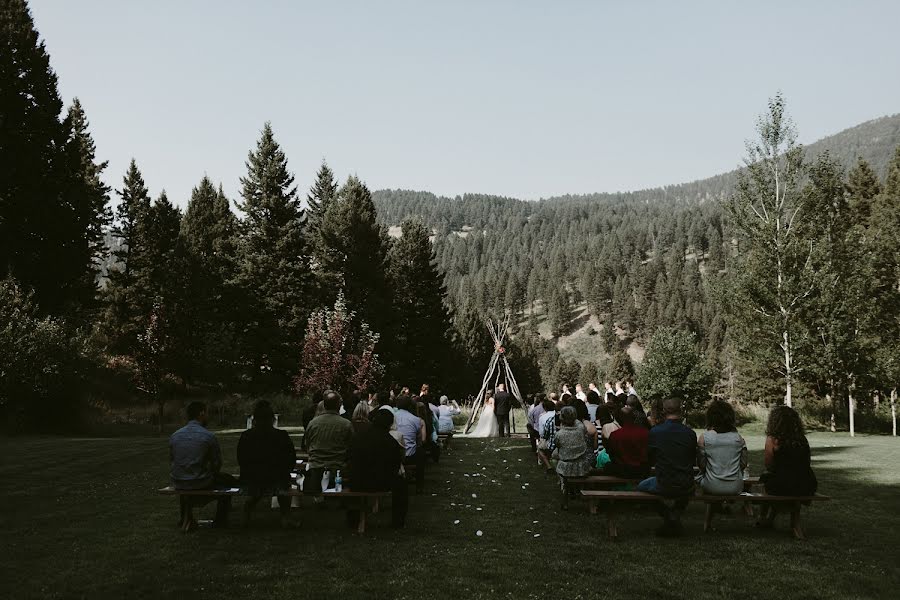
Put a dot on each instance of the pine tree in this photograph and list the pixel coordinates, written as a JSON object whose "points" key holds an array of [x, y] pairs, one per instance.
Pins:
{"points": [[320, 195], [474, 345], [209, 238], [128, 307], [88, 199], [863, 187], [620, 367], [351, 256], [51, 206], [773, 281], [422, 328], [273, 264]]}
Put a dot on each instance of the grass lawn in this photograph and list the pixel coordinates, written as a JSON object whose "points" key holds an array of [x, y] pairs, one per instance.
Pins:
{"points": [[80, 519]]}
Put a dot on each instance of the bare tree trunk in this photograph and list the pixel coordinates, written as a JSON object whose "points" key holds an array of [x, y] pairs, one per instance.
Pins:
{"points": [[830, 399], [894, 412], [852, 409], [788, 371]]}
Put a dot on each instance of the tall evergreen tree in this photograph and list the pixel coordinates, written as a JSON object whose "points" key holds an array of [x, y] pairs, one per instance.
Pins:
{"points": [[351, 256], [321, 194], [274, 262], [209, 237], [51, 208], [128, 306], [422, 330], [773, 281], [88, 199], [863, 187]]}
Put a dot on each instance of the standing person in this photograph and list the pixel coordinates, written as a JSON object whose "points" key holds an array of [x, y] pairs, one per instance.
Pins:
{"points": [[196, 463], [672, 448], [502, 406], [375, 460], [360, 418], [534, 414], [592, 401], [788, 460], [608, 389], [629, 388], [412, 428], [328, 440], [446, 411], [267, 457], [619, 390], [721, 452], [547, 429], [579, 392]]}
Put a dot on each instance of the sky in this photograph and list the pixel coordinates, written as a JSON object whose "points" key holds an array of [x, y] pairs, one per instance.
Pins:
{"points": [[517, 98]]}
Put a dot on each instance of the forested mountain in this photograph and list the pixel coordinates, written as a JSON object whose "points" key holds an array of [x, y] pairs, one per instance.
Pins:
{"points": [[639, 260]]}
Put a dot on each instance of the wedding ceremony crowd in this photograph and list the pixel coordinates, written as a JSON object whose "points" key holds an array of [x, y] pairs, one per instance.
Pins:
{"points": [[376, 442]]}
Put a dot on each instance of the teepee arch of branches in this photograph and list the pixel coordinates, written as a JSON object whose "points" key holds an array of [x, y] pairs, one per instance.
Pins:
{"points": [[498, 369]]}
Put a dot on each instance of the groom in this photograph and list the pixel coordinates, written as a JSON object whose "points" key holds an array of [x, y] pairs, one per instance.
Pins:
{"points": [[502, 405]]}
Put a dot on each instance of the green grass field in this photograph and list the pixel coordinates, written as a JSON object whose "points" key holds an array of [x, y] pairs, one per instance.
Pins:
{"points": [[80, 519]]}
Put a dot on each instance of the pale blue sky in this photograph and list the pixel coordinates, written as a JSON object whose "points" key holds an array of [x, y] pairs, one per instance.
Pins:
{"points": [[519, 98]]}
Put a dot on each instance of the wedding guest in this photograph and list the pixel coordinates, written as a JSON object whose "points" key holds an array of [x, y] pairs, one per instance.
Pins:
{"points": [[640, 417], [360, 418], [592, 401], [375, 460], [267, 457], [446, 410], [590, 431], [721, 452], [606, 421], [328, 440], [547, 427], [534, 415], [196, 463], [572, 450], [412, 428], [787, 458], [672, 448], [627, 447]]}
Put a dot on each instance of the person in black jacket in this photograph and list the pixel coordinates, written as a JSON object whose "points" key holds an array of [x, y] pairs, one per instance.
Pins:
{"points": [[267, 457], [502, 406], [375, 459]]}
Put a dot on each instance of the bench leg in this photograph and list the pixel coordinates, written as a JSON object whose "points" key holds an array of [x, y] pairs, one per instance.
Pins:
{"points": [[796, 528], [707, 521], [361, 528], [187, 513], [375, 506], [610, 522], [592, 506]]}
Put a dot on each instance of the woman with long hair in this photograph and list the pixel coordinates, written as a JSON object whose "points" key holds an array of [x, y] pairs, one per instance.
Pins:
{"points": [[788, 461]]}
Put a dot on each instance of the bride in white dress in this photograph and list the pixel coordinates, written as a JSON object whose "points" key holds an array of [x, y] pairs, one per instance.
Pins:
{"points": [[487, 423]]}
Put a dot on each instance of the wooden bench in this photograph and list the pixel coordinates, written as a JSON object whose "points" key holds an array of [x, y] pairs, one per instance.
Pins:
{"points": [[232, 492], [611, 497]]}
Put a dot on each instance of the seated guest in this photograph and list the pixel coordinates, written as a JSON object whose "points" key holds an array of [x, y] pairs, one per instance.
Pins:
{"points": [[607, 423], [590, 431], [534, 414], [446, 411], [360, 418], [627, 447], [309, 413], [572, 449], [328, 440], [721, 452], [375, 460], [432, 448], [196, 463], [412, 428], [592, 402], [640, 417], [267, 458], [672, 448], [788, 461]]}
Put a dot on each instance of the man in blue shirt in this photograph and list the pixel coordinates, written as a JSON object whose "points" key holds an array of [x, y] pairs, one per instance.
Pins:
{"points": [[413, 430], [196, 461], [672, 449]]}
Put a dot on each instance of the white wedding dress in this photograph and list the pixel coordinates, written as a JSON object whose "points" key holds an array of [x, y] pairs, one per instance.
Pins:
{"points": [[487, 423]]}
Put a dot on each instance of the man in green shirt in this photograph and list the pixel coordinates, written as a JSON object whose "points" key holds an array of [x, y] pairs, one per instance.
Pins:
{"points": [[328, 442]]}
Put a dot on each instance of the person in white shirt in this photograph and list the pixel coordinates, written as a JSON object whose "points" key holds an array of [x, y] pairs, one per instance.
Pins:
{"points": [[629, 388], [579, 392]]}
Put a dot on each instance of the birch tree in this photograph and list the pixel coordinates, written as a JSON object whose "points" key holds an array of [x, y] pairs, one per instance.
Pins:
{"points": [[772, 280]]}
